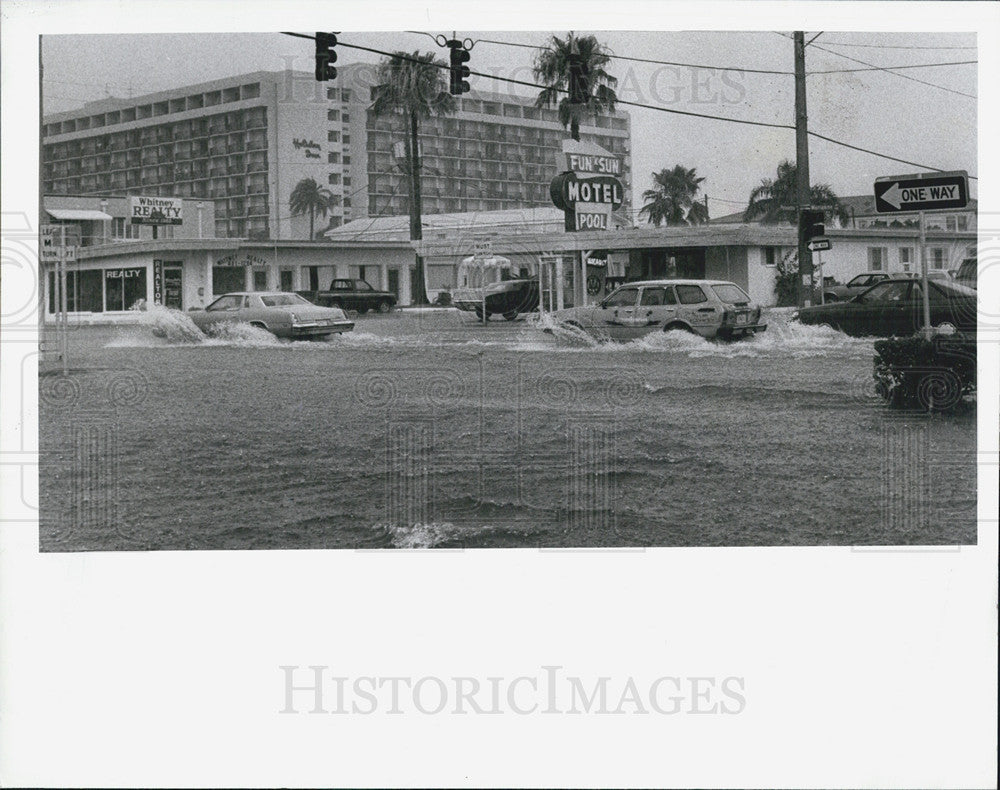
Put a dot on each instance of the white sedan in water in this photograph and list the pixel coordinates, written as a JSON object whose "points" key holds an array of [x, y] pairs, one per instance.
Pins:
{"points": [[280, 313], [710, 308]]}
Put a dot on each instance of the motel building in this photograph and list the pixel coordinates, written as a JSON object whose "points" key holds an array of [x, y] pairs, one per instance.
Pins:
{"points": [[590, 264], [119, 264]]}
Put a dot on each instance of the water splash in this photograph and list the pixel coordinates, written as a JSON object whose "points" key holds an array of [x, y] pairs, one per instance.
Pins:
{"points": [[172, 325]]}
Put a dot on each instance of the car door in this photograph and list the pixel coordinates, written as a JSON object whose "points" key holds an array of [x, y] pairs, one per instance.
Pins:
{"points": [[657, 307], [696, 309], [615, 317], [225, 309]]}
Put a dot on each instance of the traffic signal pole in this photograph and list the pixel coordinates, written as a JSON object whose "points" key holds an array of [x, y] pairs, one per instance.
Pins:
{"points": [[803, 192]]}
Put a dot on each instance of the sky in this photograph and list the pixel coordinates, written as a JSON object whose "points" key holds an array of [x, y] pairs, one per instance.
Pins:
{"points": [[927, 116]]}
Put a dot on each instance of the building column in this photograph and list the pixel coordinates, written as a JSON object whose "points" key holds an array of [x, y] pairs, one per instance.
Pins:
{"points": [[383, 275]]}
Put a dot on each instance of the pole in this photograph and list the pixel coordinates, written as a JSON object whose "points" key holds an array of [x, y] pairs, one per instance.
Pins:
{"points": [[923, 278], [63, 318], [802, 165], [822, 283]]}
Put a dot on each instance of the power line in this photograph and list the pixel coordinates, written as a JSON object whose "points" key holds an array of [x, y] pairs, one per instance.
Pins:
{"points": [[894, 46], [644, 106], [892, 68], [903, 76], [884, 156]]}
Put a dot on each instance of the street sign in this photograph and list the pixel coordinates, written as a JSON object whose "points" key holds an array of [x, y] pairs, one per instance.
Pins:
{"points": [[819, 243], [51, 243], [921, 192]]}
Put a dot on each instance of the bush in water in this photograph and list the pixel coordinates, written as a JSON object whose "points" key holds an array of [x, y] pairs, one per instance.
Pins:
{"points": [[937, 374]]}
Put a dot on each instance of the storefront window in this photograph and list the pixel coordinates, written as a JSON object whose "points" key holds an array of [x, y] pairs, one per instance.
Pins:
{"points": [[260, 279], [226, 279], [83, 292], [123, 288]]}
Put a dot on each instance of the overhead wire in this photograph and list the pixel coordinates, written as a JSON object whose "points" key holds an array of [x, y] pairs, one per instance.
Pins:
{"points": [[403, 56]]}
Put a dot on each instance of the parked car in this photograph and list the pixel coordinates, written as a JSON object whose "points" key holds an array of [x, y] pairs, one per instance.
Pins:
{"points": [[710, 308], [854, 286], [966, 273], [352, 295], [280, 313], [895, 307]]}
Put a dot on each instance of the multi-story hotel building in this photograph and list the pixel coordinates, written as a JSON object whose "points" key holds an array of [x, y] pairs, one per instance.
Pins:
{"points": [[245, 142]]}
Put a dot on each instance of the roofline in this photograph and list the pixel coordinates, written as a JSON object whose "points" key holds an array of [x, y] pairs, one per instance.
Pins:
{"points": [[214, 244]]}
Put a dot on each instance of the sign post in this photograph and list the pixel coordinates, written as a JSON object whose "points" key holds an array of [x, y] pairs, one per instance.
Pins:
{"points": [[919, 193]]}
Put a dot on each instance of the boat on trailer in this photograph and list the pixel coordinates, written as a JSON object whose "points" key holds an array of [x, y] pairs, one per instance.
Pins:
{"points": [[488, 286]]}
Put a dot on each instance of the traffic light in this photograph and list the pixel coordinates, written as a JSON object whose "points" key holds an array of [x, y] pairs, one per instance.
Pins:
{"points": [[811, 225], [325, 56], [459, 71], [579, 79]]}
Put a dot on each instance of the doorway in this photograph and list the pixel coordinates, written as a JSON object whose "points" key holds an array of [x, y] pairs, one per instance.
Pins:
{"points": [[173, 286], [394, 282]]}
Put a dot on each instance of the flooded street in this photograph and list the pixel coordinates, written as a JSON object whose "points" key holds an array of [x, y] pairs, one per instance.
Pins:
{"points": [[431, 430]]}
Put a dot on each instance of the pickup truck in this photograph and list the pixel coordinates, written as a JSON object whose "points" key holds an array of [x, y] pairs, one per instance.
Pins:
{"points": [[352, 295]]}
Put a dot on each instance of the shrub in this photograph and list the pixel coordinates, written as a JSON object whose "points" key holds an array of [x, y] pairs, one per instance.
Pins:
{"points": [[443, 299], [915, 373]]}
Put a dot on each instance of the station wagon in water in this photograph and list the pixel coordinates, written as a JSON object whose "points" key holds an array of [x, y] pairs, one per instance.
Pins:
{"points": [[280, 313], [710, 308]]}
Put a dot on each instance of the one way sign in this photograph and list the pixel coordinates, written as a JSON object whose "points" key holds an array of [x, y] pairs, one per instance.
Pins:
{"points": [[921, 192]]}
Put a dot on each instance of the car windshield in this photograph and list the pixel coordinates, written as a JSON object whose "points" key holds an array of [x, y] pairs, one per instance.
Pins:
{"points": [[282, 300], [886, 292], [949, 288], [731, 294]]}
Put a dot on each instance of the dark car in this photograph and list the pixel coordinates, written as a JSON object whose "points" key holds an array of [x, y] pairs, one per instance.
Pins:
{"points": [[965, 274], [895, 307], [349, 294], [841, 293]]}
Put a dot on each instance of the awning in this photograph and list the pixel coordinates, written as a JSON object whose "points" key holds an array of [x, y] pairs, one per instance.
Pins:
{"points": [[78, 213]]}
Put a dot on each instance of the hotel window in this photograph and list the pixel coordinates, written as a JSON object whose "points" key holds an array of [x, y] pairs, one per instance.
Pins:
{"points": [[332, 136], [347, 181], [937, 258], [345, 118], [347, 139], [331, 93], [333, 178], [877, 259], [906, 258], [333, 159], [347, 159], [345, 95]]}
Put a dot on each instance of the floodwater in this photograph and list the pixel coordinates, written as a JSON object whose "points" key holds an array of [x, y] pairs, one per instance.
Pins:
{"points": [[431, 430]]}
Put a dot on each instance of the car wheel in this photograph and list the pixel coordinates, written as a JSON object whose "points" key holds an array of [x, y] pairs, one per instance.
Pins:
{"points": [[676, 325], [259, 325], [510, 315], [830, 298], [362, 310], [384, 307]]}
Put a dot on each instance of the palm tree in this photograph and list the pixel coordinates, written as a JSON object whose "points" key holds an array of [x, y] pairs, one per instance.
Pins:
{"points": [[775, 201], [310, 196], [552, 68], [673, 198], [413, 86]]}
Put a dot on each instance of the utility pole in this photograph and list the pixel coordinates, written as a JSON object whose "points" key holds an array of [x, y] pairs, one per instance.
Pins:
{"points": [[802, 168]]}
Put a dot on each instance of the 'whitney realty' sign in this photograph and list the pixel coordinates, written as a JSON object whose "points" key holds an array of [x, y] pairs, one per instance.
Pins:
{"points": [[155, 210]]}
